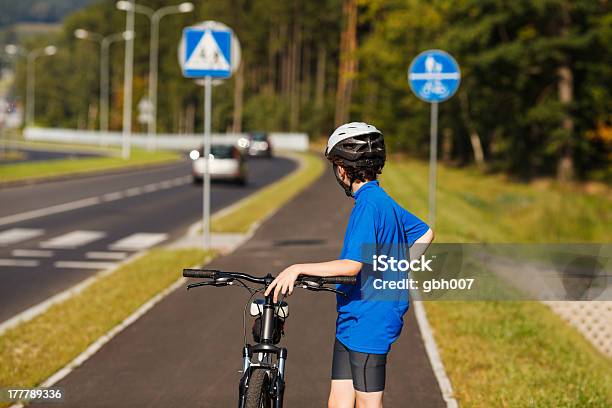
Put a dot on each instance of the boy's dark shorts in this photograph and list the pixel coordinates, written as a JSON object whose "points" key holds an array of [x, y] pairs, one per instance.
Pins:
{"points": [[366, 370]]}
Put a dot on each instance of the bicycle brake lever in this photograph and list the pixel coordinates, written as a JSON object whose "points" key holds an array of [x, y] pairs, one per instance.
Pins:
{"points": [[217, 284], [324, 289]]}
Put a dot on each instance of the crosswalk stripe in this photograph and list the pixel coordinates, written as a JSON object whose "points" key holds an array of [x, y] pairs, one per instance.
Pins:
{"points": [[83, 265], [33, 253], [73, 239], [18, 262], [15, 235], [139, 241], [106, 255]]}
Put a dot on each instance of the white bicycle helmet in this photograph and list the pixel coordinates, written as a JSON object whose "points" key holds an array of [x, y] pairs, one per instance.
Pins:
{"points": [[356, 145]]}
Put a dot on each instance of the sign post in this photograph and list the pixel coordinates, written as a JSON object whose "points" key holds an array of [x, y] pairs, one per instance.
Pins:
{"points": [[208, 50], [434, 77]]}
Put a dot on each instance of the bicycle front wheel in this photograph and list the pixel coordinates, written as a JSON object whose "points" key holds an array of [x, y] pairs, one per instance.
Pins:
{"points": [[258, 391]]}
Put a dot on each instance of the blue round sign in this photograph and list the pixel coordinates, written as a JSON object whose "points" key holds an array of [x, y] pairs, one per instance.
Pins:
{"points": [[434, 76]]}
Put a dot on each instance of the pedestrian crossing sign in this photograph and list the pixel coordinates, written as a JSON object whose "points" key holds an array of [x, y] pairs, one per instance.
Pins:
{"points": [[207, 53]]}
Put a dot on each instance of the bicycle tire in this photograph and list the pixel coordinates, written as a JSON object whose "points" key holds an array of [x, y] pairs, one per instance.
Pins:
{"points": [[257, 394]]}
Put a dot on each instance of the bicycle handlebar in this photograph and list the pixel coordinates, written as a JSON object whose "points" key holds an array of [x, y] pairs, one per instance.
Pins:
{"points": [[214, 274]]}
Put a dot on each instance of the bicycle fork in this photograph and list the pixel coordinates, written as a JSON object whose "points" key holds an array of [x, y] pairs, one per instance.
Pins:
{"points": [[277, 374]]}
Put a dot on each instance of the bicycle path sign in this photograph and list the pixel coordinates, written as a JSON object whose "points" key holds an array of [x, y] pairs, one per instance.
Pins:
{"points": [[434, 76]]}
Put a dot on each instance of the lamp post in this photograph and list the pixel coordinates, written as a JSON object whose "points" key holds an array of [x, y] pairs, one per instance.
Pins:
{"points": [[104, 42], [128, 73], [31, 74], [155, 17]]}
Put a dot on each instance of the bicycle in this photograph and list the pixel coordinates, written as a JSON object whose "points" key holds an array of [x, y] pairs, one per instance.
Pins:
{"points": [[263, 381]]}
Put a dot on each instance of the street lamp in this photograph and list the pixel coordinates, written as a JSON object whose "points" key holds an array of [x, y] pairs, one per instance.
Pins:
{"points": [[154, 16], [31, 56], [104, 42], [128, 73]]}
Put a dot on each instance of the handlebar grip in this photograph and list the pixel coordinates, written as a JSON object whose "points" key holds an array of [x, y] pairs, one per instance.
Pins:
{"points": [[199, 273], [342, 280]]}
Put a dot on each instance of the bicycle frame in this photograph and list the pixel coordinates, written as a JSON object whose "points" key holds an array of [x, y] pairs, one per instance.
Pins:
{"points": [[265, 349]]}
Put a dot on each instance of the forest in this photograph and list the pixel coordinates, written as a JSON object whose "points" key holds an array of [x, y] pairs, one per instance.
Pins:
{"points": [[535, 98]]}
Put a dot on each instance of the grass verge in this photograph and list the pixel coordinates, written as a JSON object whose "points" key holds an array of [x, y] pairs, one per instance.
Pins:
{"points": [[265, 202], [33, 351], [62, 167], [510, 354]]}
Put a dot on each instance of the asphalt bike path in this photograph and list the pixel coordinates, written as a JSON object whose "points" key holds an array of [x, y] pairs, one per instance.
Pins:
{"points": [[187, 350]]}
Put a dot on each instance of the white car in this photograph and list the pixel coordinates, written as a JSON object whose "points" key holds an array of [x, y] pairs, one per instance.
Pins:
{"points": [[226, 163]]}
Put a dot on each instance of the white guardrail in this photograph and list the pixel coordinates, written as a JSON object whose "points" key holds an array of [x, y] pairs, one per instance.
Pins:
{"points": [[164, 141]]}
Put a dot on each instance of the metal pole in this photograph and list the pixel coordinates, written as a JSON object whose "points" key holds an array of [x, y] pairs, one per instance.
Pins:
{"points": [[206, 152], [152, 125], [127, 82], [433, 158], [30, 89], [104, 45]]}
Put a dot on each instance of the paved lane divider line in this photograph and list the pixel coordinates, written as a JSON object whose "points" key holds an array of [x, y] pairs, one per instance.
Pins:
{"points": [[87, 202], [16, 235], [112, 196], [83, 265], [106, 255], [54, 209], [73, 239], [32, 253], [28, 263]]}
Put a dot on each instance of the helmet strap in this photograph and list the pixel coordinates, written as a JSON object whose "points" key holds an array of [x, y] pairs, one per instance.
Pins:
{"points": [[348, 190]]}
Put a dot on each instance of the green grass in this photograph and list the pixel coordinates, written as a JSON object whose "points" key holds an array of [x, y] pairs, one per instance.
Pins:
{"points": [[265, 202], [517, 354], [63, 167], [489, 208], [510, 354], [34, 350]]}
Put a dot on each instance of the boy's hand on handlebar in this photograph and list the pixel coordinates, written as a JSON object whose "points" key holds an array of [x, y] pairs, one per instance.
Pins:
{"points": [[284, 282]]}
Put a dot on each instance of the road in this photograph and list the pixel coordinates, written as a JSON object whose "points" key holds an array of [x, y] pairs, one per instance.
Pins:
{"points": [[56, 234], [186, 351]]}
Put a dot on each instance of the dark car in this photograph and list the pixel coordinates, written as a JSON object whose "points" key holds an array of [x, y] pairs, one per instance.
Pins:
{"points": [[258, 145]]}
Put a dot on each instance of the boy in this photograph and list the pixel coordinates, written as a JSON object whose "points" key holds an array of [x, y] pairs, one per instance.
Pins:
{"points": [[369, 321]]}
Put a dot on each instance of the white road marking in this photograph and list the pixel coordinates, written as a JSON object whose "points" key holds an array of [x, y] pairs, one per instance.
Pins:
{"points": [[54, 209], [15, 235], [87, 202], [73, 239], [131, 192], [432, 351], [83, 265], [106, 255], [18, 262], [112, 196], [149, 188], [139, 241], [32, 253]]}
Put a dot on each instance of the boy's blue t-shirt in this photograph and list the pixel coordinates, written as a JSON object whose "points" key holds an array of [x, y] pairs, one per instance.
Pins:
{"points": [[369, 319]]}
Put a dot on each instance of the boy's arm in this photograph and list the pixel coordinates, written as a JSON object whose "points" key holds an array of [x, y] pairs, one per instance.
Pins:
{"points": [[285, 281], [421, 244]]}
